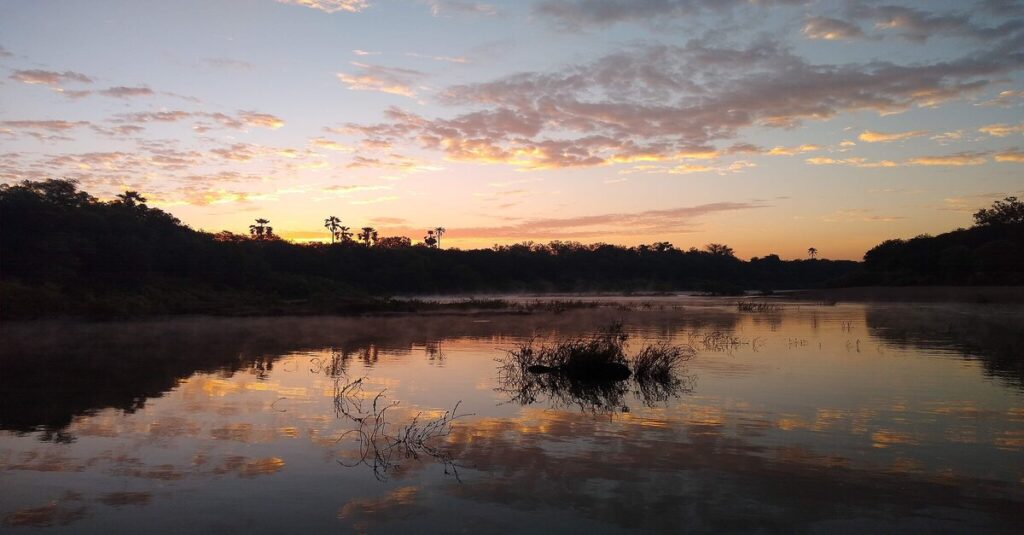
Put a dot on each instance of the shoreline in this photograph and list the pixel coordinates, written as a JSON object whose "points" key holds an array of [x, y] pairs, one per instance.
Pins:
{"points": [[913, 294]]}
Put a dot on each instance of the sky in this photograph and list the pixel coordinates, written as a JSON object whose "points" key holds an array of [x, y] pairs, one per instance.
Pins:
{"points": [[769, 125]]}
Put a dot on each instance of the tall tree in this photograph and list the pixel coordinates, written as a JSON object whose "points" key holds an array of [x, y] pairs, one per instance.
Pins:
{"points": [[439, 231], [430, 240], [131, 199], [345, 234], [261, 230], [333, 224], [812, 252], [368, 235]]}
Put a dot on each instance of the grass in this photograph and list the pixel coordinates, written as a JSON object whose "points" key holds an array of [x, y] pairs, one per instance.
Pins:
{"points": [[757, 306], [660, 362], [592, 372], [380, 448]]}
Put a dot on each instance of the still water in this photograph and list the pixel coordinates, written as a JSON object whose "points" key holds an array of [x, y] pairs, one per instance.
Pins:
{"points": [[810, 418]]}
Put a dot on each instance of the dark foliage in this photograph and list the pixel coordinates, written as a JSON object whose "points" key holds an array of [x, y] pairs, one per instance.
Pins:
{"points": [[63, 252], [990, 253]]}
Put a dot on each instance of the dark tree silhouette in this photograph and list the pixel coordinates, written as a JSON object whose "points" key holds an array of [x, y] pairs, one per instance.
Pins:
{"points": [[132, 199], [345, 234], [719, 249], [333, 224], [1005, 212], [368, 236], [812, 252], [393, 242], [430, 240], [439, 231], [261, 230]]}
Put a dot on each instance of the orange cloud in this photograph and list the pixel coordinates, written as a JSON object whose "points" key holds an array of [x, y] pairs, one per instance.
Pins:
{"points": [[1002, 129], [870, 136], [1014, 156], [331, 6], [393, 80]]}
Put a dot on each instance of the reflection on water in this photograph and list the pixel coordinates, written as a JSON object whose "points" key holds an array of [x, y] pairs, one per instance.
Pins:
{"points": [[850, 418]]}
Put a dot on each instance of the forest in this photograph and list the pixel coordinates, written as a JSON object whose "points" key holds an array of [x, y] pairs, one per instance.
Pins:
{"points": [[63, 252]]}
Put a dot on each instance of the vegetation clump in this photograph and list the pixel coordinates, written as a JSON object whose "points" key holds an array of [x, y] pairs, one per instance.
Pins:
{"points": [[592, 373], [757, 306]]}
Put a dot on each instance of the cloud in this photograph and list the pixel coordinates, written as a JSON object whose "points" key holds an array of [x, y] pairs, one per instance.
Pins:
{"points": [[329, 144], [261, 120], [1014, 156], [49, 125], [126, 92], [1004, 99], [853, 162], [871, 136], [578, 14], [790, 151], [671, 220], [1002, 129], [831, 29], [41, 130], [229, 64], [4, 53], [239, 121], [51, 78], [359, 52], [652, 103], [442, 7], [331, 6], [395, 162], [951, 160], [393, 80], [919, 25], [449, 59]]}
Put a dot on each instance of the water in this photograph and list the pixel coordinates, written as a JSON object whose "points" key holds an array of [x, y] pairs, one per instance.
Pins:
{"points": [[847, 418]]}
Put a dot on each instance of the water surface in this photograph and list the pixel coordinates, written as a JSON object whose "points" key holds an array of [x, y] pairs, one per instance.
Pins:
{"points": [[847, 418]]}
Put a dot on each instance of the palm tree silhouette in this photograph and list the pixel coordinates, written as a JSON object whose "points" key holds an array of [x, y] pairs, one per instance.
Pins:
{"points": [[332, 224], [439, 231], [261, 230], [132, 199], [812, 252], [344, 234], [368, 235]]}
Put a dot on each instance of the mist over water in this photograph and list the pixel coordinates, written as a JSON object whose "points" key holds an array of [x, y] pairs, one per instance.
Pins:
{"points": [[801, 418]]}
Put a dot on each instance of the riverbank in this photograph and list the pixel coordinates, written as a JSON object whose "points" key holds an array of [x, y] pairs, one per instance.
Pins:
{"points": [[914, 294]]}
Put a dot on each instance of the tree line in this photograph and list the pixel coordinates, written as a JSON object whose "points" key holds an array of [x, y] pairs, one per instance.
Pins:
{"points": [[991, 252], [64, 251]]}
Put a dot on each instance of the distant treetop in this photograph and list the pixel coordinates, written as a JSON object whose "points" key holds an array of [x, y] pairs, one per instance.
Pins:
{"points": [[1004, 212]]}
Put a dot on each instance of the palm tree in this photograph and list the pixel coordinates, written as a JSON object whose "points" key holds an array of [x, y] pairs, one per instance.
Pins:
{"points": [[260, 230], [439, 231], [368, 235], [344, 234], [812, 252], [430, 240], [332, 224], [132, 199]]}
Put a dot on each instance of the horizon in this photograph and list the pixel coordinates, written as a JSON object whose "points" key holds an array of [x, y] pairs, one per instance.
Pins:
{"points": [[768, 126]]}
